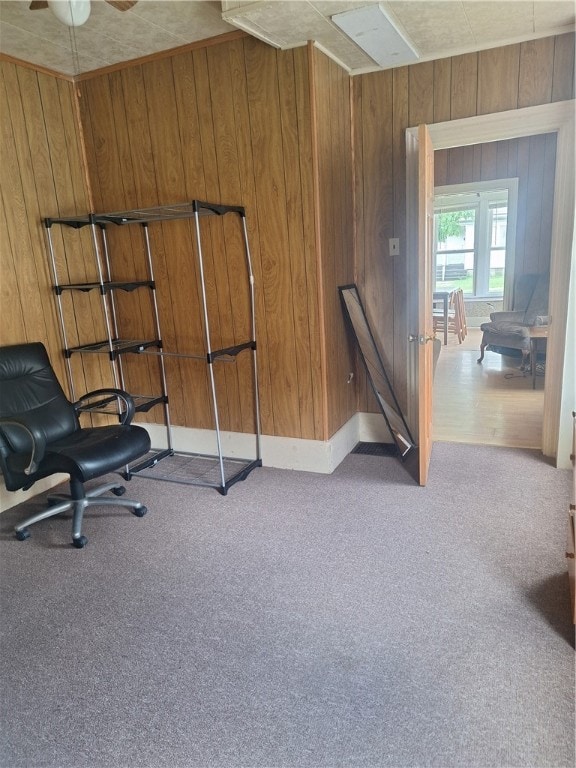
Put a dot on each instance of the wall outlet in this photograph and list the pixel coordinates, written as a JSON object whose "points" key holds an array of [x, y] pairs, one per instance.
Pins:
{"points": [[394, 245]]}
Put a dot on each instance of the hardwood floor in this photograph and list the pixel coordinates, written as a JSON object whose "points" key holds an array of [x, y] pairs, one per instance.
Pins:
{"points": [[492, 403]]}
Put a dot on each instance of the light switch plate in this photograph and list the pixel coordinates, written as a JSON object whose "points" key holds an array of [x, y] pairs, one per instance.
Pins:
{"points": [[394, 245]]}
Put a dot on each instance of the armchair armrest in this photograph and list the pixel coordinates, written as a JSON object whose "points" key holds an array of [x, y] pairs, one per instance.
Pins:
{"points": [[106, 396], [516, 316], [37, 440]]}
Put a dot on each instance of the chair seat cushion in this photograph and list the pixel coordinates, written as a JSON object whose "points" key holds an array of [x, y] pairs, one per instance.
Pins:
{"points": [[90, 452], [506, 333], [505, 328]]}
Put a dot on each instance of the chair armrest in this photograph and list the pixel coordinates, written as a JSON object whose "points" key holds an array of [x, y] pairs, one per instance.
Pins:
{"points": [[37, 440], [541, 320], [106, 396], [508, 317]]}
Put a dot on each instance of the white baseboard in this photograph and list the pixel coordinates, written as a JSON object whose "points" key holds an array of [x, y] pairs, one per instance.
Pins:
{"points": [[280, 452]]}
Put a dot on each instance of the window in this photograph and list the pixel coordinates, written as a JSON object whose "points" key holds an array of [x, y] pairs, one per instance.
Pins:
{"points": [[474, 237]]}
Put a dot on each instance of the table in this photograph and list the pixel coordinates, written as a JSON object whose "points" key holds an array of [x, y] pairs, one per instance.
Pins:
{"points": [[536, 332], [444, 297]]}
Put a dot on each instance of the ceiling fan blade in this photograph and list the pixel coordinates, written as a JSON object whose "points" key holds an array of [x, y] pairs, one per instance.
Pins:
{"points": [[37, 5], [122, 5]]}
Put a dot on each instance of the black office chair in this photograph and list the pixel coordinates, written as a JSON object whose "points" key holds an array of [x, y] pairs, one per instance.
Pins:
{"points": [[40, 435]]}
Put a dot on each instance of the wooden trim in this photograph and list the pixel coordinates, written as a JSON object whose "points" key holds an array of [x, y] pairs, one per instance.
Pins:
{"points": [[562, 272], [207, 43], [317, 226], [354, 179], [35, 67], [498, 126], [196, 45]]}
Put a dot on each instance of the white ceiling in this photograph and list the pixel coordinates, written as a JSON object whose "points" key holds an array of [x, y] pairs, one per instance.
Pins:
{"points": [[435, 28]]}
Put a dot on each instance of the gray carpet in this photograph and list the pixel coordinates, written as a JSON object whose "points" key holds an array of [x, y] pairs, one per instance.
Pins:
{"points": [[301, 620]]}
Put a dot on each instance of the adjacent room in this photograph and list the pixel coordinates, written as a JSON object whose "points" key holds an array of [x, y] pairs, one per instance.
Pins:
{"points": [[477, 222], [287, 384]]}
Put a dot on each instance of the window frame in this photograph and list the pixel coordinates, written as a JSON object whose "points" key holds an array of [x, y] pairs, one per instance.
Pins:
{"points": [[470, 195]]}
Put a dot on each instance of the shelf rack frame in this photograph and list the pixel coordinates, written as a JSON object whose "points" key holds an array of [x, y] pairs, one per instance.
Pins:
{"points": [[217, 470]]}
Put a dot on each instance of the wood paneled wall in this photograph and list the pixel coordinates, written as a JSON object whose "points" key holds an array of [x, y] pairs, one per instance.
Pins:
{"points": [[229, 123], [41, 174], [385, 104], [233, 123], [335, 207]]}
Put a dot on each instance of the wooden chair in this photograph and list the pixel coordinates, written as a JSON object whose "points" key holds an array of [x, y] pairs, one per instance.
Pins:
{"points": [[459, 305], [456, 320]]}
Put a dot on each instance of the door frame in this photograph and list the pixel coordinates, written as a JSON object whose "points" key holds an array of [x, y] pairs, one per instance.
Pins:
{"points": [[556, 118]]}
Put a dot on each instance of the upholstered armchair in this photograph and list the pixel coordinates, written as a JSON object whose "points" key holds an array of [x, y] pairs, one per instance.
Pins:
{"points": [[510, 332]]}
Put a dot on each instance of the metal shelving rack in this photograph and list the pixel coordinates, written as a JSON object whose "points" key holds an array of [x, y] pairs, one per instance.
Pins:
{"points": [[216, 470]]}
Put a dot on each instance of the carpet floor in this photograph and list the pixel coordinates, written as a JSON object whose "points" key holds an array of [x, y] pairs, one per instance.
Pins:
{"points": [[302, 620]]}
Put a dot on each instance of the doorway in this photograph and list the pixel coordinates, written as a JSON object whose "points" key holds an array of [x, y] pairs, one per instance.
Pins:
{"points": [[558, 118], [475, 235]]}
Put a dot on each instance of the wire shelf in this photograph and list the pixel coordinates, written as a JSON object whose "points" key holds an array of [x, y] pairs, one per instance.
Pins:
{"points": [[195, 469]]}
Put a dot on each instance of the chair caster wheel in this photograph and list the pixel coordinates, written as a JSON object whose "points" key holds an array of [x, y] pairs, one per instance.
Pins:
{"points": [[23, 534], [119, 491], [80, 542], [139, 511]]}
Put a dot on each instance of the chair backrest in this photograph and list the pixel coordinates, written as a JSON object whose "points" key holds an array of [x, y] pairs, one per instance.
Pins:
{"points": [[531, 295], [30, 391], [460, 311]]}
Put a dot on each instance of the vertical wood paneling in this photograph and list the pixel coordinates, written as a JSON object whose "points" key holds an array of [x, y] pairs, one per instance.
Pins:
{"points": [[302, 65], [13, 325], [442, 89], [378, 215], [248, 197], [534, 233], [523, 162], [563, 76], [502, 159], [498, 70], [421, 93], [333, 142], [536, 72], [21, 204], [230, 269], [173, 291], [295, 221], [489, 155], [41, 174], [204, 142], [217, 136], [327, 255], [464, 92], [547, 208], [221, 124], [266, 138]]}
